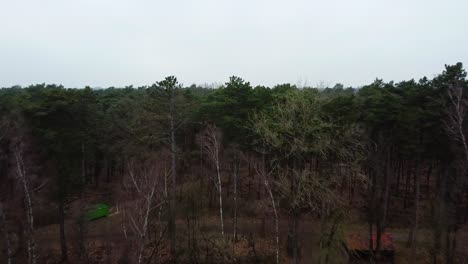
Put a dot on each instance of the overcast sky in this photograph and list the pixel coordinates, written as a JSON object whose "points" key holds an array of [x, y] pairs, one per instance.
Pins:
{"points": [[116, 42]]}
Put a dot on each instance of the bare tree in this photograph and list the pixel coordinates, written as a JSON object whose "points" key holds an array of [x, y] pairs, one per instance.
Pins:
{"points": [[210, 140], [267, 181], [454, 128], [456, 111], [142, 183], [24, 180]]}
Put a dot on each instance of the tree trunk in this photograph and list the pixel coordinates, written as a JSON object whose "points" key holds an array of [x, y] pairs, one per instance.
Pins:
{"points": [[21, 173], [249, 176], [439, 212], [398, 174], [63, 241], [236, 171], [82, 226], [414, 228], [448, 255], [5, 234], [276, 231], [428, 178], [388, 173], [211, 145], [378, 236], [454, 243], [371, 243], [220, 193], [144, 229], [83, 164], [295, 237], [273, 204], [172, 226], [81, 222], [371, 191], [407, 187], [162, 206]]}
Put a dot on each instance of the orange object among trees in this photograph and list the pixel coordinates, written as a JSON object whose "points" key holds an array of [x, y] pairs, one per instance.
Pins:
{"points": [[357, 245]]}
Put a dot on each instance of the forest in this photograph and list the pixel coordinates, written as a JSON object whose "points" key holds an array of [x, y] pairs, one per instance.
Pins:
{"points": [[236, 173]]}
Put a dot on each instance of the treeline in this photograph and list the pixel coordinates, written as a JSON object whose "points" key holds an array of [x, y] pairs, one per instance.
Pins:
{"points": [[395, 152]]}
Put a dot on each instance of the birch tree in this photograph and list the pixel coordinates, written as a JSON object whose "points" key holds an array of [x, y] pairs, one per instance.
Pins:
{"points": [[142, 183], [454, 128], [268, 183], [24, 180], [455, 113], [210, 140]]}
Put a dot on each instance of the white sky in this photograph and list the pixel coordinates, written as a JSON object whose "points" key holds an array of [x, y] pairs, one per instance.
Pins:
{"points": [[116, 42]]}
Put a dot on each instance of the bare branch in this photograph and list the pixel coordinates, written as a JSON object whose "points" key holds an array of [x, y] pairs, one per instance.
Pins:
{"points": [[144, 178], [456, 111]]}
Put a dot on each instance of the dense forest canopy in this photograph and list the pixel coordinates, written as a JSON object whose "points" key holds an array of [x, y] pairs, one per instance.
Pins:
{"points": [[164, 156]]}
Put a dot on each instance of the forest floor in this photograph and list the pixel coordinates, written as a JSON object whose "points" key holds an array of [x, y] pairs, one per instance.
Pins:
{"points": [[107, 238]]}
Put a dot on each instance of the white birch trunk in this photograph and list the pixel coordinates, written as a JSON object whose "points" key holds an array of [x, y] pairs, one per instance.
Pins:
{"points": [[457, 116], [209, 141], [144, 230], [21, 173], [220, 190], [144, 184], [273, 204], [220, 193]]}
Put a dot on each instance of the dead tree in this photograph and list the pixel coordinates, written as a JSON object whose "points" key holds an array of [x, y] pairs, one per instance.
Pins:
{"points": [[210, 140], [142, 184], [24, 180]]}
